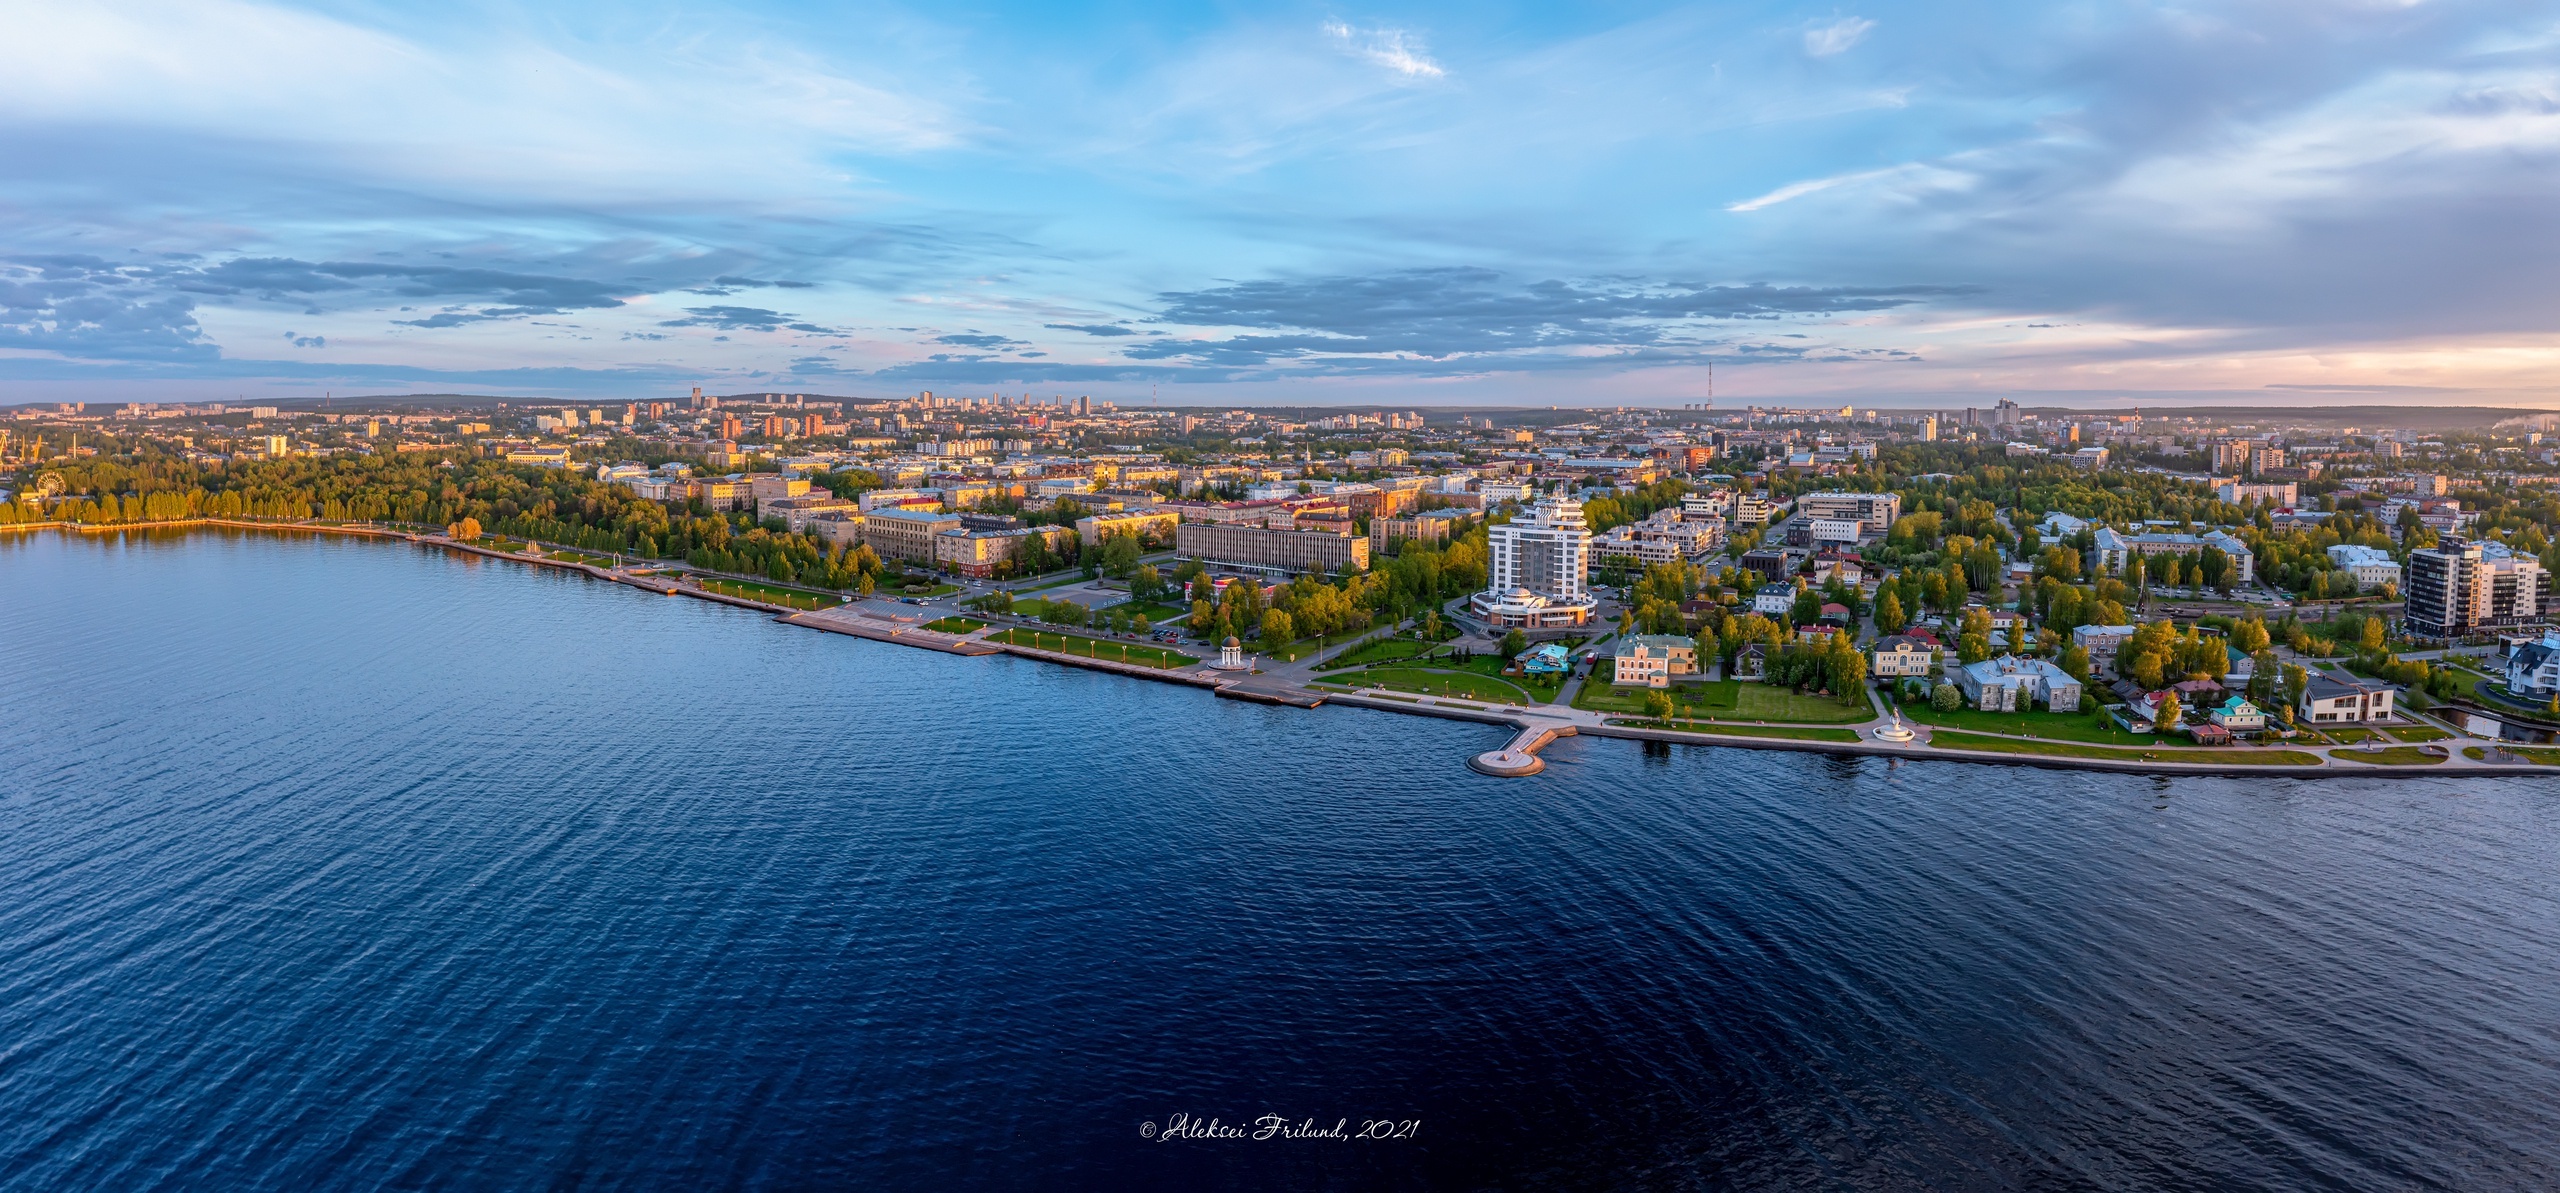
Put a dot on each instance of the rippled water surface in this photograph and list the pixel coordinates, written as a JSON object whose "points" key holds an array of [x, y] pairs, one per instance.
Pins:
{"points": [[339, 864]]}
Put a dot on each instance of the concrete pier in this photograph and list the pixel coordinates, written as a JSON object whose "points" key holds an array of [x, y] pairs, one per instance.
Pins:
{"points": [[1519, 759]]}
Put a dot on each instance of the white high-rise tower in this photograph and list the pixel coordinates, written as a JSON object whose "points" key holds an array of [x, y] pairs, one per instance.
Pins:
{"points": [[1535, 573]]}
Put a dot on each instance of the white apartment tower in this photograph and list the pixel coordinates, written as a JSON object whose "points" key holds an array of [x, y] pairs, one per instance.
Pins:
{"points": [[1535, 573]]}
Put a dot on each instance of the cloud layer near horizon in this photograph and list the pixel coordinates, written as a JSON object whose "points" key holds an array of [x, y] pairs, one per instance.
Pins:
{"points": [[1473, 203]]}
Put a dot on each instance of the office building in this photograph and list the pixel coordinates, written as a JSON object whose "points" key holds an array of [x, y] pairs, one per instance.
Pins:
{"points": [[1266, 552]]}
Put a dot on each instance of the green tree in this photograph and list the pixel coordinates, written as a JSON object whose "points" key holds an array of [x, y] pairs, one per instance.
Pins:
{"points": [[1657, 705], [1845, 669], [2075, 662], [1120, 555], [1808, 607], [1945, 698], [1889, 618], [1513, 643], [1276, 628]]}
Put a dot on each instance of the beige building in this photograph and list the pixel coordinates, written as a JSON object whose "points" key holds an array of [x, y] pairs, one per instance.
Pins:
{"points": [[1432, 526], [1651, 660], [1155, 524], [797, 512], [1271, 552], [978, 553], [1901, 656], [904, 533], [774, 488]]}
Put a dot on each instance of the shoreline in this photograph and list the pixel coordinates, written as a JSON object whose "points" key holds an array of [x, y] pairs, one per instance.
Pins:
{"points": [[1533, 731]]}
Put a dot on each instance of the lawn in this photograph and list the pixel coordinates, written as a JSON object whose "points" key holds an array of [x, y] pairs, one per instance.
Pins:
{"points": [[586, 557], [2236, 756], [2539, 755], [1787, 732], [1384, 650], [955, 625], [1094, 648], [2417, 733], [2057, 726], [2388, 756], [1306, 646], [1442, 683], [751, 590], [1157, 613], [1762, 702], [2348, 735]]}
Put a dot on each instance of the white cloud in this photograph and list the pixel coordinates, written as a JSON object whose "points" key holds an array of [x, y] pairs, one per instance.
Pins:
{"points": [[1393, 49], [482, 107], [1822, 41]]}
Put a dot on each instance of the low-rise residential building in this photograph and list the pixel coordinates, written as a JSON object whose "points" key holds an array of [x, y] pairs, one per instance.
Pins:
{"points": [[2115, 549], [1429, 526], [797, 512], [1773, 599], [2012, 684], [1751, 662], [2533, 668], [1651, 660], [2238, 715], [2335, 697], [2371, 567], [1903, 655], [2101, 643], [978, 554]]}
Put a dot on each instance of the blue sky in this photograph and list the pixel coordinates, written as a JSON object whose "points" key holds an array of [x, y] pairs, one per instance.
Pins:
{"points": [[1540, 204]]}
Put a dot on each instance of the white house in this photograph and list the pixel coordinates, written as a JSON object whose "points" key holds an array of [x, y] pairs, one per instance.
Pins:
{"points": [[2335, 697], [2534, 668], [1773, 599], [2012, 684]]}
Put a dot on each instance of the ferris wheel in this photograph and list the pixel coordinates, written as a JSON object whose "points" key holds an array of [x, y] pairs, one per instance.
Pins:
{"points": [[50, 486]]}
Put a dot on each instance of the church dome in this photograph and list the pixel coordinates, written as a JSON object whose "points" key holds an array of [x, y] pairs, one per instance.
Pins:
{"points": [[1232, 643]]}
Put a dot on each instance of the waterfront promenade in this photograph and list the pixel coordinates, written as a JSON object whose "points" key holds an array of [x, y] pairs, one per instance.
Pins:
{"points": [[1534, 725]]}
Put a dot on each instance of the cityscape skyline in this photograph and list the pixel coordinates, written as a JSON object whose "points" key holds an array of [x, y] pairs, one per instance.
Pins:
{"points": [[1280, 205]]}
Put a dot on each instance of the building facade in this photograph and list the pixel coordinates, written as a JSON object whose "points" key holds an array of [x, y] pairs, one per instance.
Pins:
{"points": [[895, 533], [1536, 569], [1652, 660], [1258, 551]]}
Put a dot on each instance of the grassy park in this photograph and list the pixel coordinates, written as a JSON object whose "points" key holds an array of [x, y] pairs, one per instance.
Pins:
{"points": [[2091, 726], [955, 625], [2388, 756], [774, 594], [2538, 755], [1140, 653], [1783, 732], [1464, 684], [2226, 756], [1384, 650]]}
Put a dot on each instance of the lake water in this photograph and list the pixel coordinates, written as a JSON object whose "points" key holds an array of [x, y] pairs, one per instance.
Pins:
{"points": [[340, 864]]}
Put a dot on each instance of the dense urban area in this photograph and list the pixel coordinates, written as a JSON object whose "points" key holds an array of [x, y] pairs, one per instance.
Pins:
{"points": [[2177, 586]]}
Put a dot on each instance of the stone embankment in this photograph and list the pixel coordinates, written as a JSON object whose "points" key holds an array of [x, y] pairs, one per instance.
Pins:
{"points": [[1534, 728]]}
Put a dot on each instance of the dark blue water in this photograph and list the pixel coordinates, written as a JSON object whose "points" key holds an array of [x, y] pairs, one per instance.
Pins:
{"points": [[329, 864]]}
